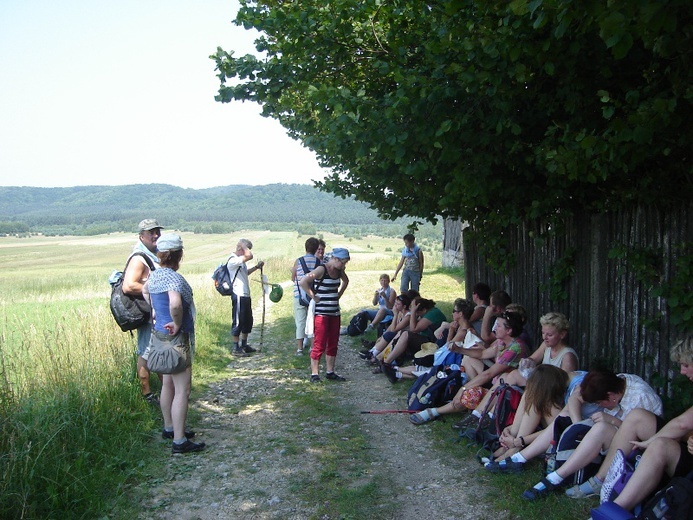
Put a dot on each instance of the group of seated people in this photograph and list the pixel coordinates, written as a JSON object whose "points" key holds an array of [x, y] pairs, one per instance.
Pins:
{"points": [[489, 340]]}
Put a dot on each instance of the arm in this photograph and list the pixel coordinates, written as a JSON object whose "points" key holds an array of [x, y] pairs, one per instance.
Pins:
{"points": [[675, 429], [256, 267], [574, 406], [401, 325], [344, 284], [375, 297], [136, 272], [175, 306], [487, 323], [293, 273], [399, 266], [569, 363], [481, 353], [391, 300], [538, 355], [306, 282], [487, 375], [421, 261], [478, 314]]}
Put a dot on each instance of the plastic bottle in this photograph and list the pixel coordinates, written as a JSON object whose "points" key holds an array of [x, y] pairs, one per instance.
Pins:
{"points": [[550, 460]]}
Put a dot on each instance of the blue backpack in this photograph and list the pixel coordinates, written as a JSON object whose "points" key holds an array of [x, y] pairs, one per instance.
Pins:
{"points": [[436, 387]]}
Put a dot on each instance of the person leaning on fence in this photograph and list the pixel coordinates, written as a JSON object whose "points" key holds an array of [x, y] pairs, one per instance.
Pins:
{"points": [[297, 273], [326, 285], [616, 395], [666, 449], [134, 278], [241, 305], [172, 302], [499, 301], [481, 296], [507, 351]]}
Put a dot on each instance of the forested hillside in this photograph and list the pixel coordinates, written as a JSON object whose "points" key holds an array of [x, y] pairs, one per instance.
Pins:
{"points": [[88, 210]]}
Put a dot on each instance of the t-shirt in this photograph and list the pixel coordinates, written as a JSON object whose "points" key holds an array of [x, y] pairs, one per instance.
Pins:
{"points": [[160, 282], [328, 290], [558, 360], [638, 394], [436, 317], [241, 285], [411, 258], [512, 353]]}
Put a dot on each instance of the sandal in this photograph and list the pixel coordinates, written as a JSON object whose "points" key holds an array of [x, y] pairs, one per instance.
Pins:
{"points": [[532, 494], [378, 370], [590, 488], [417, 419]]}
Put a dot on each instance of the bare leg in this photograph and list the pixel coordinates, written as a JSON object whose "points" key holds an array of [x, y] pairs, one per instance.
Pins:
{"points": [[330, 362], [472, 367], [143, 375], [399, 348], [661, 456], [597, 438], [378, 317], [179, 406], [167, 393]]}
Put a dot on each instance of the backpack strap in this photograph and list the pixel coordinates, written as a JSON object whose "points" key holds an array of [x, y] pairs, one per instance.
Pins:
{"points": [[148, 260], [304, 266], [227, 268]]}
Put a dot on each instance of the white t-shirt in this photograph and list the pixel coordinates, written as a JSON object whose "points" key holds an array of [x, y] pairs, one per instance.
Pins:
{"points": [[241, 285]]}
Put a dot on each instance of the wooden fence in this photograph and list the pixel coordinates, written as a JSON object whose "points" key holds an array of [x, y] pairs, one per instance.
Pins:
{"points": [[605, 301]]}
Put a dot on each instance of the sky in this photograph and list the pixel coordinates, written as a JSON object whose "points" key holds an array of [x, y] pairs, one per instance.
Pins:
{"points": [[122, 92]]}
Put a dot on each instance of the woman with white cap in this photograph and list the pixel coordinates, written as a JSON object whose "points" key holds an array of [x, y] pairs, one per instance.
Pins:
{"points": [[325, 285], [173, 308]]}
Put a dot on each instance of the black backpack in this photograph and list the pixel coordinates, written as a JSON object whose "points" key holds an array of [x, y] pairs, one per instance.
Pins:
{"points": [[223, 282], [673, 502], [567, 436], [435, 388], [358, 324], [130, 312]]}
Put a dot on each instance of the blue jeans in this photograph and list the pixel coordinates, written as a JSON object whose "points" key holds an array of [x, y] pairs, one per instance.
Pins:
{"points": [[409, 277]]}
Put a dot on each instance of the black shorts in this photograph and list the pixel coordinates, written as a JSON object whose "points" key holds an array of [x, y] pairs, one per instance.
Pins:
{"points": [[685, 463], [242, 312]]}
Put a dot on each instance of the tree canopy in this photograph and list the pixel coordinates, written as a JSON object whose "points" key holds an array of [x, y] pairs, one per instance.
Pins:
{"points": [[490, 111]]}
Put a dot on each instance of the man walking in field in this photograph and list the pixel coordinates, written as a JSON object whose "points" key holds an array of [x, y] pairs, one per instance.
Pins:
{"points": [[241, 305], [141, 262]]}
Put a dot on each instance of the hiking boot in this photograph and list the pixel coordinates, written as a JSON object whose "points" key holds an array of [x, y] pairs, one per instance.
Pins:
{"points": [[390, 372], [368, 344], [152, 399], [248, 349], [368, 355], [333, 376], [189, 434], [468, 422], [239, 352], [315, 378], [187, 447]]}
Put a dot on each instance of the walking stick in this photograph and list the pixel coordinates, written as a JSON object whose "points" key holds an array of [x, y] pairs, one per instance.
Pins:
{"points": [[262, 327]]}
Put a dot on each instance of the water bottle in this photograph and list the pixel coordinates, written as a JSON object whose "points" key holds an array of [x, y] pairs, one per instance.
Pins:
{"points": [[550, 460]]}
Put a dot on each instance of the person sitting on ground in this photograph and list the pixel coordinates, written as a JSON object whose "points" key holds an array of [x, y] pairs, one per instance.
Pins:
{"points": [[424, 318], [460, 332], [666, 449], [542, 401], [507, 351], [384, 298], [499, 301], [617, 395], [481, 296]]}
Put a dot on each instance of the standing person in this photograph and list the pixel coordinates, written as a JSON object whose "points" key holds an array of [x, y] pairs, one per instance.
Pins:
{"points": [[310, 260], [142, 261], [320, 252], [413, 262], [173, 307], [241, 305], [325, 285]]}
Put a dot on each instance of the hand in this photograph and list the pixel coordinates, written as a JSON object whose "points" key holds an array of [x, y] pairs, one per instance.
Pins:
{"points": [[598, 417], [316, 298], [260, 264], [171, 328], [689, 444], [413, 306]]}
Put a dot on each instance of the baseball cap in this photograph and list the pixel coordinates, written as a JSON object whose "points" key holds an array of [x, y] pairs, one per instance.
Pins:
{"points": [[169, 242], [148, 224]]}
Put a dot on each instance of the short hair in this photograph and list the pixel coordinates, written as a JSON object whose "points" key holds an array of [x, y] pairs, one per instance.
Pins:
{"points": [[425, 304], [466, 307], [409, 237], [247, 243], [518, 309], [682, 351], [312, 245], [384, 275], [413, 294], [556, 320], [321, 243], [406, 300], [598, 383], [514, 321], [500, 298], [482, 290], [546, 389], [170, 258]]}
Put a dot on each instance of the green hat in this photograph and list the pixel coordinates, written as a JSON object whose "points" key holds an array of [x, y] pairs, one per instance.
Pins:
{"points": [[276, 293]]}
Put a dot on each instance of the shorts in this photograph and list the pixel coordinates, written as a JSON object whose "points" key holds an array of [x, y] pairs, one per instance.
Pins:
{"points": [[300, 317], [685, 463], [242, 312], [143, 334], [415, 341]]}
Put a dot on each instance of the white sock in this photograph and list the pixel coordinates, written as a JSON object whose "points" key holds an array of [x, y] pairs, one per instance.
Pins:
{"points": [[490, 415], [518, 457], [554, 478], [374, 351], [476, 414], [434, 412]]}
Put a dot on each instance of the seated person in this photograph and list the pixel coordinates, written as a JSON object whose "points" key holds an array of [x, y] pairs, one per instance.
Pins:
{"points": [[384, 298], [424, 318], [499, 301], [666, 447], [459, 333], [617, 395], [400, 322], [507, 350], [481, 296]]}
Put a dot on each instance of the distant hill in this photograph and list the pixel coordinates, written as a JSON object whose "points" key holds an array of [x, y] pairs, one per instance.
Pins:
{"points": [[87, 210]]}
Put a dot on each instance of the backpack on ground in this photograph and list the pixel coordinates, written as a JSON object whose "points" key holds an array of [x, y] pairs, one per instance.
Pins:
{"points": [[130, 312], [358, 324], [435, 388], [567, 439], [303, 298], [673, 502], [223, 282], [505, 399]]}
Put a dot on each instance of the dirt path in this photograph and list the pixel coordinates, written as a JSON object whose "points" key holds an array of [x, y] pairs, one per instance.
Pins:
{"points": [[258, 455]]}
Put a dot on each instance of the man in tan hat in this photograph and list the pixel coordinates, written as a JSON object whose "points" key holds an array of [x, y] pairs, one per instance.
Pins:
{"points": [[141, 262]]}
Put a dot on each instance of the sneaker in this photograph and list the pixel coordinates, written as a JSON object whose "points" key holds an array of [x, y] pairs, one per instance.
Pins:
{"points": [[368, 355], [299, 352], [390, 372], [152, 399], [505, 466], [315, 378], [369, 328], [239, 352], [189, 434], [368, 344], [248, 349], [471, 421], [187, 447], [616, 470], [333, 376]]}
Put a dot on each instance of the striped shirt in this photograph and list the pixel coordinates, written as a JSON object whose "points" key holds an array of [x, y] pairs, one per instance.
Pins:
{"points": [[328, 290]]}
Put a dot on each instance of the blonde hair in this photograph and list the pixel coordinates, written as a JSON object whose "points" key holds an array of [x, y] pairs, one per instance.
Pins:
{"points": [[556, 320], [682, 351]]}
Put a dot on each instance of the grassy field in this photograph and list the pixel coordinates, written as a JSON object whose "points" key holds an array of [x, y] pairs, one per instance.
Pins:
{"points": [[75, 433]]}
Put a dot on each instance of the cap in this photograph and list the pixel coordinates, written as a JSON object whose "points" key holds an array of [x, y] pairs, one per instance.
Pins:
{"points": [[148, 224], [341, 253], [169, 242]]}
